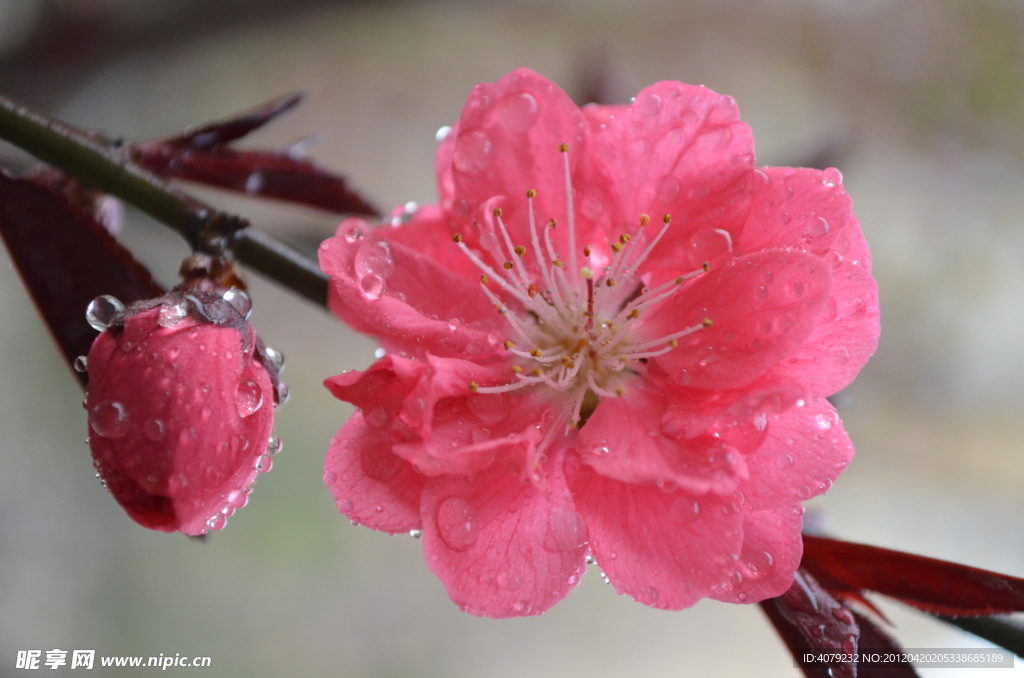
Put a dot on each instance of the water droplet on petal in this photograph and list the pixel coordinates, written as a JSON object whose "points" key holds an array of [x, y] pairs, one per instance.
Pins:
{"points": [[274, 357], [784, 461], [795, 288], [648, 103], [832, 177], [518, 111], [456, 523], [601, 451], [264, 464], [685, 509], [238, 499], [372, 286], [249, 398], [474, 153], [240, 301], [274, 445], [154, 430], [442, 133], [102, 310], [379, 464], [509, 580], [109, 419], [566, 530], [217, 522]]}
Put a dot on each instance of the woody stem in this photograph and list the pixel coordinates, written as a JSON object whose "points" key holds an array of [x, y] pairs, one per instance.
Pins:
{"points": [[98, 162]]}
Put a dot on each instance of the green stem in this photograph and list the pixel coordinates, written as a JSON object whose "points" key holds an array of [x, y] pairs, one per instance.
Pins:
{"points": [[97, 162]]}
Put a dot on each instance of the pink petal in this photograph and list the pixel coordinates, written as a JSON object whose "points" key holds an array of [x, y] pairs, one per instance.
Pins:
{"points": [[679, 150], [507, 141], [772, 547], [804, 451], [502, 548], [388, 284], [371, 485], [763, 307], [623, 440], [804, 208], [665, 549], [841, 343]]}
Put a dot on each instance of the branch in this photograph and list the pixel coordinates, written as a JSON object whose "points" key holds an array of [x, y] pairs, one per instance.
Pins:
{"points": [[99, 163]]}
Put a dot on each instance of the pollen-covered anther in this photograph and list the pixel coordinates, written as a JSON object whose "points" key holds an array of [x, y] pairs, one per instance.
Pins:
{"points": [[456, 237], [509, 343], [497, 211], [563, 147], [620, 391], [624, 238], [674, 343], [616, 247], [473, 386], [706, 266], [517, 369], [535, 352], [520, 250], [667, 218], [644, 220], [508, 265], [531, 193], [707, 322], [484, 279], [557, 262], [586, 251], [586, 273], [635, 313], [610, 282], [568, 362], [532, 291]]}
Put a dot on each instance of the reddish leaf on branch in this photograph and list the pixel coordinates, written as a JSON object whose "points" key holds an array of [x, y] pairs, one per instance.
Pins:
{"points": [[935, 586], [66, 258], [825, 623], [202, 155], [874, 639]]}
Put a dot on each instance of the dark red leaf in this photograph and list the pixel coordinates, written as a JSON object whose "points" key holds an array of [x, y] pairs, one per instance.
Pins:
{"points": [[258, 173], [872, 639], [793, 639], [826, 624], [935, 586], [224, 131], [66, 259]]}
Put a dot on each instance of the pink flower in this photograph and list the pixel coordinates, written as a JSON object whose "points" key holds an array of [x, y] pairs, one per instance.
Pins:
{"points": [[651, 390], [181, 408]]}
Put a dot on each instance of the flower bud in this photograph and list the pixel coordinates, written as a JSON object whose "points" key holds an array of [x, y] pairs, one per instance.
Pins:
{"points": [[181, 407]]}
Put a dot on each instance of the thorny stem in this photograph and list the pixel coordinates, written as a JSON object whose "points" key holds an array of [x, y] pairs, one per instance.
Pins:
{"points": [[98, 162]]}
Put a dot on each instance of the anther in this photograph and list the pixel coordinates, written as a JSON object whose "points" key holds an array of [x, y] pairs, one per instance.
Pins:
{"points": [[517, 369], [535, 352], [674, 343], [532, 290], [473, 386], [644, 220], [616, 247], [520, 250], [552, 223], [563, 147], [497, 211], [457, 237], [586, 251], [586, 273], [635, 313], [620, 391], [624, 238], [610, 282], [484, 279], [667, 218], [508, 265], [508, 343], [531, 194], [557, 262], [706, 266], [707, 322]]}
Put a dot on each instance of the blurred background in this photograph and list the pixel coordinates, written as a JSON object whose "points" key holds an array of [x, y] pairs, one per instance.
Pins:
{"points": [[920, 103]]}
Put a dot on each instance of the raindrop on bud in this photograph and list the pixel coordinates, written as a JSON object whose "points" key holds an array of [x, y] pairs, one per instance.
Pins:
{"points": [[239, 301], [102, 310], [275, 357]]}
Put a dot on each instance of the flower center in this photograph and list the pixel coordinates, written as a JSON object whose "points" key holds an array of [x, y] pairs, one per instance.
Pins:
{"points": [[574, 330]]}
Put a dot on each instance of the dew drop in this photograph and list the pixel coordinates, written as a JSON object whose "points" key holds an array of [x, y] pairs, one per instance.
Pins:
{"points": [[217, 522], [102, 310], [379, 352], [374, 258], [649, 104], [474, 153], [785, 461], [274, 357], [240, 301], [353, 234], [509, 580], [254, 183], [831, 177], [601, 451], [274, 445], [685, 509], [565, 531], [238, 499], [264, 463], [81, 364], [817, 228], [825, 421], [490, 408], [456, 523], [518, 111], [249, 398], [109, 419], [796, 288], [372, 286], [379, 464], [840, 354], [760, 563], [154, 430], [416, 534], [442, 133]]}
